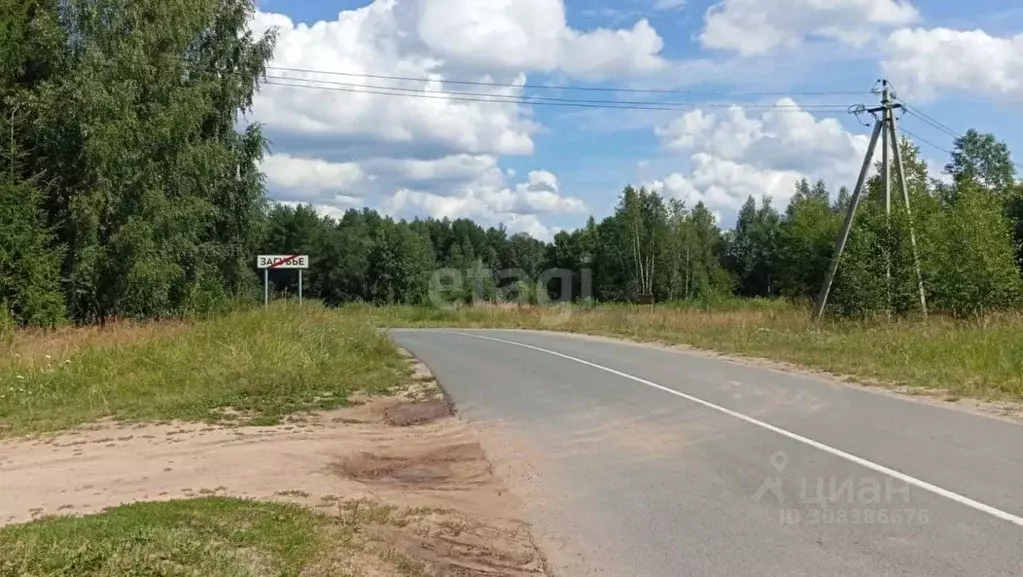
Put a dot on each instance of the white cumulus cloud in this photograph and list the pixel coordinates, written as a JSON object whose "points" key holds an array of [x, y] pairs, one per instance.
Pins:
{"points": [[489, 201], [344, 110], [453, 187], [752, 27], [311, 175], [534, 35], [668, 4], [921, 62], [734, 154], [724, 185], [488, 197], [336, 143], [784, 137]]}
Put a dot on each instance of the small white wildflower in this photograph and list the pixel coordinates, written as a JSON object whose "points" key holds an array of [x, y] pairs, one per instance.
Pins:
{"points": [[21, 377], [48, 357]]}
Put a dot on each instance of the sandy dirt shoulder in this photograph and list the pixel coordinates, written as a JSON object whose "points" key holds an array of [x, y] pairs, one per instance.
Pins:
{"points": [[408, 451]]}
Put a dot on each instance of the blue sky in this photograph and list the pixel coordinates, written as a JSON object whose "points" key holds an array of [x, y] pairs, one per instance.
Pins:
{"points": [[545, 168]]}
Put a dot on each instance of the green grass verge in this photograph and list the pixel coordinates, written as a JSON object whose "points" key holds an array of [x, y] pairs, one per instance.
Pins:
{"points": [[979, 358], [201, 537], [204, 537], [263, 364]]}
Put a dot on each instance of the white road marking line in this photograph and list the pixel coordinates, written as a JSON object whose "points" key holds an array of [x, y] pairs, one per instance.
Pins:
{"points": [[919, 483]]}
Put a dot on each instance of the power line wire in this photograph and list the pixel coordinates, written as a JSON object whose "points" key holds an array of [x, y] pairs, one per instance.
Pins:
{"points": [[935, 123], [939, 125], [568, 87], [931, 120], [504, 99], [535, 99], [462, 96], [928, 119], [924, 140]]}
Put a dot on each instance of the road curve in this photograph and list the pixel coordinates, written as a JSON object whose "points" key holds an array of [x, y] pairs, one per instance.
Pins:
{"points": [[654, 462]]}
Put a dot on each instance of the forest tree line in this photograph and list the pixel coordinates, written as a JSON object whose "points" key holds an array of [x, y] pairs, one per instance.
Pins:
{"points": [[968, 229], [129, 189]]}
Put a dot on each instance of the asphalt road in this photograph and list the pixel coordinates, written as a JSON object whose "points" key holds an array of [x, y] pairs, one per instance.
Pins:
{"points": [[652, 462]]}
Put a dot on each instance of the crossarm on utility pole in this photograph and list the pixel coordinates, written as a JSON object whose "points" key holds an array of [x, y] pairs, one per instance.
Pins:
{"points": [[901, 172], [843, 236]]}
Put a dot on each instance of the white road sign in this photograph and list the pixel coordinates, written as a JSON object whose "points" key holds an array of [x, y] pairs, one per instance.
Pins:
{"points": [[282, 261]]}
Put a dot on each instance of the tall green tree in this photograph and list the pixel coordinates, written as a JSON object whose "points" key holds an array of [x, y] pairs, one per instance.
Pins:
{"points": [[704, 247], [976, 269], [30, 54], [526, 253], [156, 195], [983, 161], [806, 242], [400, 264], [751, 253], [29, 261]]}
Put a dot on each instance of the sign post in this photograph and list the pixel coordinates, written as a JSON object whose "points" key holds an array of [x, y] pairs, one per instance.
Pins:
{"points": [[279, 261]]}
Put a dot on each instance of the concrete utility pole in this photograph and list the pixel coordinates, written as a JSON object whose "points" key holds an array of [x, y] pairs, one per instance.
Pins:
{"points": [[884, 126], [886, 177]]}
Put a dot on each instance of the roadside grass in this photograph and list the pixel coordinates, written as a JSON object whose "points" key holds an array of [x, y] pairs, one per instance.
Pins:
{"points": [[981, 358], [200, 537], [248, 367]]}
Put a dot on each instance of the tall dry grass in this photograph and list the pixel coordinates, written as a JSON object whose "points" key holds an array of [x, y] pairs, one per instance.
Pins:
{"points": [[978, 358], [262, 363]]}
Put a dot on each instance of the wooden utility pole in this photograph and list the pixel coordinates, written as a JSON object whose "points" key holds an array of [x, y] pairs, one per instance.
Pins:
{"points": [[884, 127]]}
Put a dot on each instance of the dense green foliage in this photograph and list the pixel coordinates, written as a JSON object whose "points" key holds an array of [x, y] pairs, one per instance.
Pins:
{"points": [[127, 189], [647, 247], [130, 188]]}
